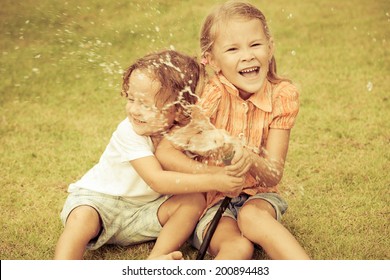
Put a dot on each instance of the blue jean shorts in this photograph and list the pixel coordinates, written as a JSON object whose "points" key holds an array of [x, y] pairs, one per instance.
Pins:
{"points": [[278, 203], [125, 221]]}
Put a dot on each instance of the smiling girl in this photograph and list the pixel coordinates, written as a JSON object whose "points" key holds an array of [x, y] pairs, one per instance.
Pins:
{"points": [[249, 100]]}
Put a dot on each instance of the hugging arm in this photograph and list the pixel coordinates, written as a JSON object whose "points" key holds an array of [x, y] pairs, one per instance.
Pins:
{"points": [[170, 182], [267, 167], [173, 159]]}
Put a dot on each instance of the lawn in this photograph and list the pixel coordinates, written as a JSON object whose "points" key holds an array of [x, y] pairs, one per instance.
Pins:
{"points": [[61, 64]]}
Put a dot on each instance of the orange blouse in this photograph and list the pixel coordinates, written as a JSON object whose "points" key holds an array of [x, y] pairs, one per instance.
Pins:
{"points": [[275, 106]]}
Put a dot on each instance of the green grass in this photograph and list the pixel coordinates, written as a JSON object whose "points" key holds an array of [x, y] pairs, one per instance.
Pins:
{"points": [[60, 75]]}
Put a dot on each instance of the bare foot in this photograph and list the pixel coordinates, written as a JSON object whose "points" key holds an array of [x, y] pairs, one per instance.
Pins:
{"points": [[176, 255]]}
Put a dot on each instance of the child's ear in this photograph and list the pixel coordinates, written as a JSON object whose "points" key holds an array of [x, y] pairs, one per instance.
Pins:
{"points": [[212, 62]]}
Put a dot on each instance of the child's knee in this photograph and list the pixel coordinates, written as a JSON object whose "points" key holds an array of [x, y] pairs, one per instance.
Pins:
{"points": [[190, 205], [250, 213], [196, 203], [84, 216], [200, 200], [195, 200]]}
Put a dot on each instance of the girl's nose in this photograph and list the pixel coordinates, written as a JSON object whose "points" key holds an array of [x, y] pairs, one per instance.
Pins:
{"points": [[247, 55]]}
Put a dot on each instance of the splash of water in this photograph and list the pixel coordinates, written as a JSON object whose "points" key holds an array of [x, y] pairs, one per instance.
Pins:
{"points": [[187, 89], [169, 63], [369, 86], [201, 138]]}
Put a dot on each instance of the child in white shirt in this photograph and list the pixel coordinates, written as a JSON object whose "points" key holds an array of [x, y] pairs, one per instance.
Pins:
{"points": [[127, 198]]}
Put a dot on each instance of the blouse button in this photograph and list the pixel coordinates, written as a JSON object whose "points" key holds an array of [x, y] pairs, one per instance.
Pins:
{"points": [[245, 107]]}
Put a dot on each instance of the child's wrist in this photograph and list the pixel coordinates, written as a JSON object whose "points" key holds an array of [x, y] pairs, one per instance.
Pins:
{"points": [[213, 169]]}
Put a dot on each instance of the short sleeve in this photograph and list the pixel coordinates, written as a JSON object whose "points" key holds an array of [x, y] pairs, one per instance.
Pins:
{"points": [[285, 103], [210, 98], [129, 144]]}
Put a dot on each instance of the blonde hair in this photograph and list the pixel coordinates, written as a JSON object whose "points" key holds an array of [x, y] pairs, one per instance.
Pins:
{"points": [[227, 11], [181, 77]]}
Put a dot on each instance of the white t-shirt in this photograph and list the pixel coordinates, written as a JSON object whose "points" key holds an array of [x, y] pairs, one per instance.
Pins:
{"points": [[114, 174]]}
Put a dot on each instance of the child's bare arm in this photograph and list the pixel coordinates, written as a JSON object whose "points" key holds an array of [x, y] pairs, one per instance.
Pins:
{"points": [[170, 182], [173, 159], [267, 167]]}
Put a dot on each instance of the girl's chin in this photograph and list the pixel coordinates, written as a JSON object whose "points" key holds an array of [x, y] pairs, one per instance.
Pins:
{"points": [[249, 91]]}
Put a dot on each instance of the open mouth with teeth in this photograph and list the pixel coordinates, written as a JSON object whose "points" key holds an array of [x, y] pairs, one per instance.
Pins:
{"points": [[250, 72], [138, 121]]}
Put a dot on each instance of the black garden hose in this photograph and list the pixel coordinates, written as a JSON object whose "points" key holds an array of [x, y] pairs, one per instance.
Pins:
{"points": [[214, 222], [213, 226]]}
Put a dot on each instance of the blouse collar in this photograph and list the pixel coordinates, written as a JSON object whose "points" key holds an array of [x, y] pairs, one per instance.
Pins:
{"points": [[261, 99]]}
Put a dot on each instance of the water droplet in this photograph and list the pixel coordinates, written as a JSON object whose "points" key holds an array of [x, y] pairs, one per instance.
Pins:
{"points": [[369, 86]]}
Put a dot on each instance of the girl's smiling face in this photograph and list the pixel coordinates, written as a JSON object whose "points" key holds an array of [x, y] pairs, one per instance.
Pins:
{"points": [[147, 116], [242, 52]]}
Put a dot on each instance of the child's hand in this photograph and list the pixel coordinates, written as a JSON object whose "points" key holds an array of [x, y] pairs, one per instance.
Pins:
{"points": [[241, 162], [230, 185]]}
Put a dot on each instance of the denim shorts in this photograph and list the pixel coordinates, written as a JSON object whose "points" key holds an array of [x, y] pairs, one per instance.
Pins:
{"points": [[125, 221], [277, 202]]}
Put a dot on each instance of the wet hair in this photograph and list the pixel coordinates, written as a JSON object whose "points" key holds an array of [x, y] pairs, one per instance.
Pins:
{"points": [[233, 10], [181, 78]]}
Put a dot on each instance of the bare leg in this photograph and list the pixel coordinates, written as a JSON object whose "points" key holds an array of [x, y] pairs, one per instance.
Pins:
{"points": [[257, 222], [228, 243], [179, 216], [82, 225]]}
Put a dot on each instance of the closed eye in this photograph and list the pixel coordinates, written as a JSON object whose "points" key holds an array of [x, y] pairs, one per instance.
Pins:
{"points": [[231, 49]]}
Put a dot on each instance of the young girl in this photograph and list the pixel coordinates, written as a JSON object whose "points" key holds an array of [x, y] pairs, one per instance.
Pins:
{"points": [[119, 200], [249, 100]]}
